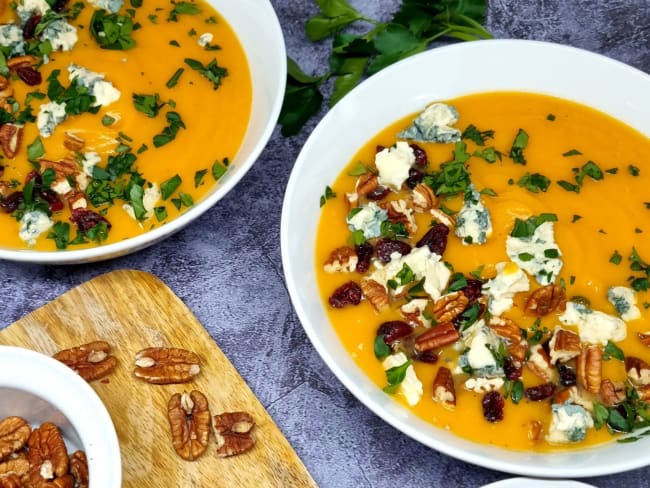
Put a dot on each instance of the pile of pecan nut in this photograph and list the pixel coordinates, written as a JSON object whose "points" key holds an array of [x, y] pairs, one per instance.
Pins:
{"points": [[188, 413], [38, 458]]}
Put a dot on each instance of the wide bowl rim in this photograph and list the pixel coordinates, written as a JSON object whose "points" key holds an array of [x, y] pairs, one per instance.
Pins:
{"points": [[44, 377], [263, 9], [545, 465]]}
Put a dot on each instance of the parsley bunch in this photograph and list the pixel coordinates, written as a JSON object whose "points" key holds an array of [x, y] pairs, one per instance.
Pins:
{"points": [[415, 25]]}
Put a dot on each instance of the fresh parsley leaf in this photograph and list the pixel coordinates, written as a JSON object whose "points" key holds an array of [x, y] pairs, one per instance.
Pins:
{"points": [[395, 376], [550, 117], [198, 177], [381, 349], [302, 99], [35, 150], [149, 105], [571, 152], [518, 146], [328, 194], [219, 169], [112, 31], [616, 258], [526, 228], [575, 218], [517, 392], [535, 182], [568, 186], [168, 187], [334, 15], [60, 233], [160, 213], [173, 81], [135, 195], [592, 170], [107, 120], [168, 134], [211, 71], [183, 8], [612, 350], [477, 136], [633, 170]]}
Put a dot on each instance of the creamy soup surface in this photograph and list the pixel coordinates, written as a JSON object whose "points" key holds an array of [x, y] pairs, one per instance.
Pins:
{"points": [[128, 113], [547, 207]]}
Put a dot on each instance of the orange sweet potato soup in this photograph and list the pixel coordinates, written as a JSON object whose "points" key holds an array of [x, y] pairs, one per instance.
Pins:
{"points": [[483, 262], [116, 116]]}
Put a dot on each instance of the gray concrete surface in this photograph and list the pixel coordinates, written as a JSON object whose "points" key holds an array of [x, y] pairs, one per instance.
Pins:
{"points": [[227, 268]]}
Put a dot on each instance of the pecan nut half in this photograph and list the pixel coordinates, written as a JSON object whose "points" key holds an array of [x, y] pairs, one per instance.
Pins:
{"points": [[439, 336], [11, 137], [423, 198], [14, 433], [189, 420], [564, 345], [589, 368], [72, 142], [449, 306], [546, 300], [91, 361], [165, 365], [18, 465], [233, 433], [342, 259], [509, 330], [79, 469], [540, 364], [366, 183], [638, 371], [375, 293], [444, 391], [612, 394], [10, 480], [47, 455]]}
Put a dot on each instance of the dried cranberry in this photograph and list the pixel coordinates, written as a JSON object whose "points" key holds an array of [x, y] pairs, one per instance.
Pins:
{"points": [[435, 239], [378, 193], [29, 75], [364, 254], [513, 368], [473, 289], [11, 203], [414, 178], [385, 247], [52, 199], [493, 406], [59, 5], [394, 330], [429, 356], [567, 375], [379, 148], [30, 27], [87, 219], [2, 170], [421, 158], [540, 392], [347, 294]]}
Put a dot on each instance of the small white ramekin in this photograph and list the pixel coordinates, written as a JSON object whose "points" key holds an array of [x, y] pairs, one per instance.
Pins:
{"points": [[40, 389]]}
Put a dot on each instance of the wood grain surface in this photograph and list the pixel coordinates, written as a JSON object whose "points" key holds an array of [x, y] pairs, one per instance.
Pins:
{"points": [[132, 310]]}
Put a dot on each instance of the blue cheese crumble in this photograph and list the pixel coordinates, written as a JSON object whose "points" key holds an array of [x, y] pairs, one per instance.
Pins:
{"points": [[111, 5], [569, 423], [624, 301], [594, 327], [411, 386], [103, 91], [11, 35], [26, 8], [394, 164], [62, 36], [538, 255], [479, 342], [423, 263], [32, 225], [473, 224], [501, 289], [49, 116], [434, 124], [368, 219]]}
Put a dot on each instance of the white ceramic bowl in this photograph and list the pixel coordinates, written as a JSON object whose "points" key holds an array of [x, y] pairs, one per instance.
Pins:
{"points": [[40, 389], [404, 88], [259, 31]]}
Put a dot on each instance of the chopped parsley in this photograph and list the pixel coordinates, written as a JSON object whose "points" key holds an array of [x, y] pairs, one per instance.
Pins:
{"points": [[149, 105], [518, 146], [526, 228], [184, 8], [477, 136], [575, 218], [168, 134], [395, 376], [168, 187], [571, 152], [327, 195], [550, 117], [633, 170], [173, 81], [639, 283], [198, 177], [616, 258], [219, 168], [212, 71], [535, 182], [112, 31]]}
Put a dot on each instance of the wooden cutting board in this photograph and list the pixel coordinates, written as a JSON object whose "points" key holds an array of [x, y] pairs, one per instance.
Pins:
{"points": [[132, 310]]}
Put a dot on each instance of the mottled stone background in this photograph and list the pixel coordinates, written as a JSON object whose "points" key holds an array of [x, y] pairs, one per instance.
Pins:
{"points": [[227, 268]]}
